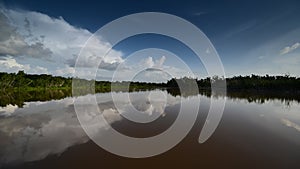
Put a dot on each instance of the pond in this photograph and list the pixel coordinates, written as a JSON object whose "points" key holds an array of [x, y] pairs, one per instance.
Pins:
{"points": [[253, 133]]}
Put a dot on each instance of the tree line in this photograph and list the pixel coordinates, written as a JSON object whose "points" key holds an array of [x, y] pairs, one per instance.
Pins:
{"points": [[255, 82], [16, 88], [22, 81]]}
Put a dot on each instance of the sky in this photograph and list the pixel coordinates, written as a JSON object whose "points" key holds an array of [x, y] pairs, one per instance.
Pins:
{"points": [[251, 37]]}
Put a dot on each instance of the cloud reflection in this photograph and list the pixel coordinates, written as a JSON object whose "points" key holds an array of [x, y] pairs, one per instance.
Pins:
{"points": [[40, 129], [291, 124]]}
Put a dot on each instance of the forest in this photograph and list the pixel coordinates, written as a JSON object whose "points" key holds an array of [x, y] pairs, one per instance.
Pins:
{"points": [[28, 82], [253, 82], [17, 88]]}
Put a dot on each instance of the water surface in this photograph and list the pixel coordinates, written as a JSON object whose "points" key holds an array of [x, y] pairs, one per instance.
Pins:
{"points": [[251, 134]]}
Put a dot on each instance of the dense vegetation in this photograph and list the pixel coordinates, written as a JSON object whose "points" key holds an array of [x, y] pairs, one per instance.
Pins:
{"points": [[24, 81], [17, 88], [18, 97], [253, 82], [264, 82], [21, 80]]}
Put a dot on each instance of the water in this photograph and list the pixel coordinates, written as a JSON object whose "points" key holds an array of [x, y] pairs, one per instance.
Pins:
{"points": [[251, 133]]}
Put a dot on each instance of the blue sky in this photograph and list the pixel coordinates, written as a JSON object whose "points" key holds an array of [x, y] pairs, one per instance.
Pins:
{"points": [[260, 37]]}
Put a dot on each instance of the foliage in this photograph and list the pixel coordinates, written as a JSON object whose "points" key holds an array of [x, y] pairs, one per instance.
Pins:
{"points": [[17, 88], [20, 80]]}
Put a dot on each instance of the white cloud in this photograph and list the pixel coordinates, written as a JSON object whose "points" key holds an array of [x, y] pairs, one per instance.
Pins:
{"points": [[159, 63], [38, 43], [152, 69], [150, 63], [14, 44], [65, 71], [10, 64], [289, 49], [29, 34], [268, 59]]}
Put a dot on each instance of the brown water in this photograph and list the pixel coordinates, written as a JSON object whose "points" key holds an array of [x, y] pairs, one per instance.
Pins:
{"points": [[47, 134]]}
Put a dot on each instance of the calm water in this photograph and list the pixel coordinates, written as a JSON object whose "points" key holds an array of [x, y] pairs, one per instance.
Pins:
{"points": [[47, 134]]}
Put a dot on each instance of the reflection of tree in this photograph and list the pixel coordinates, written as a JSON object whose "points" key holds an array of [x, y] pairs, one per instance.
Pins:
{"points": [[19, 97], [264, 96], [183, 93], [254, 96], [15, 88], [253, 88]]}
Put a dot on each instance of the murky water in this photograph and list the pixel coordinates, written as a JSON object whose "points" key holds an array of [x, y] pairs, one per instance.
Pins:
{"points": [[47, 134]]}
